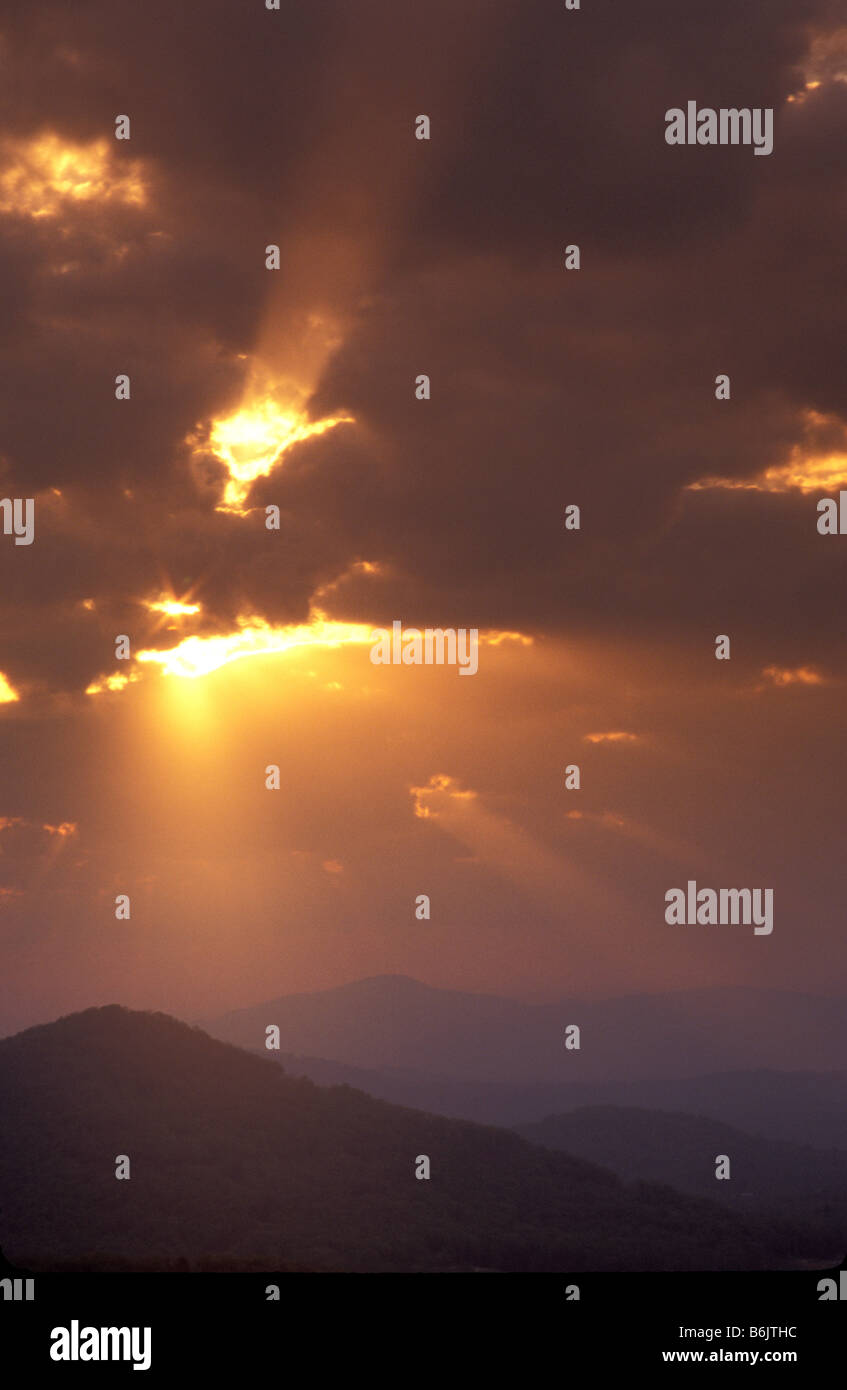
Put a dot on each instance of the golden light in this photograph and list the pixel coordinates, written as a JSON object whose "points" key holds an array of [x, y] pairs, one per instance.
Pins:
{"points": [[439, 787], [41, 175], [818, 464], [104, 683], [7, 694], [64, 830], [800, 675], [512, 852], [825, 62], [493, 639], [251, 442], [801, 474], [198, 656], [67, 827], [172, 609], [807, 474], [827, 58]]}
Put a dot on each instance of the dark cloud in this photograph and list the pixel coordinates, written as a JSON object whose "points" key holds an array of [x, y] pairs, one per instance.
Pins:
{"points": [[550, 387], [447, 257]]}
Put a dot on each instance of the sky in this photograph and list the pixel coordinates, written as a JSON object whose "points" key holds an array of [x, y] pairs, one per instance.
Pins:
{"points": [[295, 388]]}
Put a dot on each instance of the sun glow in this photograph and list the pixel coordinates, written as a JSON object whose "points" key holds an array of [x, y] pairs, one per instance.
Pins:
{"points": [[172, 609], [7, 694], [251, 442], [198, 656]]}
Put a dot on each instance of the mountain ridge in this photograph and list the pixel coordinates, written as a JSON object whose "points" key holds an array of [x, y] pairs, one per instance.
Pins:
{"points": [[391, 1022], [236, 1164]]}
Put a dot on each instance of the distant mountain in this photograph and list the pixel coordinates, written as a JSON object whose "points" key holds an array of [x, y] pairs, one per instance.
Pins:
{"points": [[797, 1107], [655, 1146], [236, 1165], [393, 1022], [793, 1106]]}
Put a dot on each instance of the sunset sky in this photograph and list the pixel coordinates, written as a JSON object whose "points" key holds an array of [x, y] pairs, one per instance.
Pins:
{"points": [[296, 387]]}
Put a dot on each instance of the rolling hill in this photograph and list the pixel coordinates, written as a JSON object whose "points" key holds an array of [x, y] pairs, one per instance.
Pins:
{"points": [[766, 1176], [796, 1107], [236, 1165]]}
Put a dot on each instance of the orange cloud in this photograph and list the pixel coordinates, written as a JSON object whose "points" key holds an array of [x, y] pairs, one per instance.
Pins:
{"points": [[66, 828], [493, 639], [198, 655], [251, 442], [113, 683], [802, 474], [44, 175], [800, 675], [814, 466], [437, 788], [616, 736], [825, 62], [31, 853]]}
